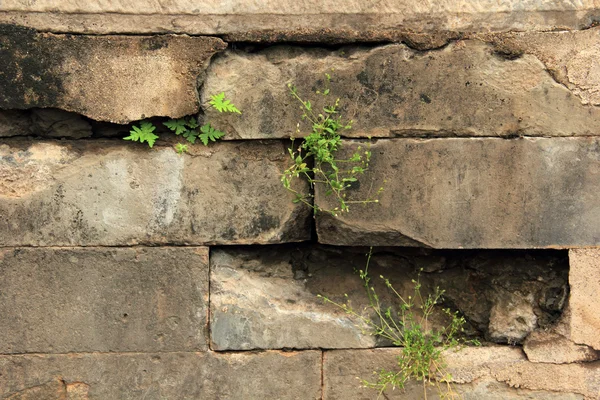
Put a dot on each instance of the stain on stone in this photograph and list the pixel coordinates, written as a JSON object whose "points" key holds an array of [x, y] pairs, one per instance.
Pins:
{"points": [[424, 98], [28, 69], [154, 43]]}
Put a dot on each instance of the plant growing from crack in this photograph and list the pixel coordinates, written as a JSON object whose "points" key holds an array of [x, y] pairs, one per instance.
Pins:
{"points": [[421, 358], [315, 159], [188, 127]]}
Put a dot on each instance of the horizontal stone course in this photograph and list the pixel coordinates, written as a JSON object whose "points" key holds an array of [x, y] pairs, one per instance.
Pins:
{"points": [[473, 193], [494, 373], [469, 88], [107, 78], [62, 300], [113, 193], [214, 17], [157, 376]]}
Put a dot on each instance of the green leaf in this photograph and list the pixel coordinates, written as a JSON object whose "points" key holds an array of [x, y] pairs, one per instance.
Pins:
{"points": [[209, 133], [219, 102], [181, 148], [192, 123], [143, 133], [176, 125]]}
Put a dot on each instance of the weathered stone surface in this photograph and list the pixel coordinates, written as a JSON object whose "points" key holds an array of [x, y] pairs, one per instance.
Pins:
{"points": [[289, 17], [478, 373], [474, 193], [571, 57], [108, 78], [468, 88], [103, 299], [121, 193], [14, 123], [584, 278], [267, 298], [157, 376], [551, 347], [58, 124]]}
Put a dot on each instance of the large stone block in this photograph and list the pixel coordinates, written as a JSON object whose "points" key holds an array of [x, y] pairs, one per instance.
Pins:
{"points": [[157, 376], [584, 279], [296, 20], [121, 193], [473, 193], [107, 78], [468, 88], [267, 298], [494, 373], [60, 300]]}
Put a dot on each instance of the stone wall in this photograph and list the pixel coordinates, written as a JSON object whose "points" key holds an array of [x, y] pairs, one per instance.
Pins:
{"points": [[129, 272]]}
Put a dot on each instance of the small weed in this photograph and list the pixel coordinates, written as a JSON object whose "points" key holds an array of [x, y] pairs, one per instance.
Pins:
{"points": [[186, 127], [422, 346], [315, 159]]}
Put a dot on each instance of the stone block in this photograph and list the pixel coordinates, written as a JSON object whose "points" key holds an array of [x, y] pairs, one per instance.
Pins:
{"points": [[157, 376], [107, 78], [552, 347], [584, 280], [473, 193], [494, 373], [115, 193], [267, 298], [289, 20], [468, 88], [62, 300]]}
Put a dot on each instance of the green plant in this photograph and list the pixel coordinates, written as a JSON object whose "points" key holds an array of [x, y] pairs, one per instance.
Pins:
{"points": [[143, 133], [187, 127], [316, 161], [407, 326]]}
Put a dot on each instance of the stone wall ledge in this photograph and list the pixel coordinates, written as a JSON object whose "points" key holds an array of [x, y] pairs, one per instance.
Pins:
{"points": [[239, 17]]}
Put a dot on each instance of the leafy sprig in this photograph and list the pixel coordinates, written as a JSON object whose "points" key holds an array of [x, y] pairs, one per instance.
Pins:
{"points": [[143, 133], [221, 104], [319, 149]]}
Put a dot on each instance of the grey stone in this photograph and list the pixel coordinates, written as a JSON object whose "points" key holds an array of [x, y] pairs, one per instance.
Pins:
{"points": [[291, 19], [157, 376], [473, 193], [103, 299], [468, 88], [584, 278], [121, 193], [265, 298], [14, 123], [108, 78], [58, 124], [477, 373], [552, 347]]}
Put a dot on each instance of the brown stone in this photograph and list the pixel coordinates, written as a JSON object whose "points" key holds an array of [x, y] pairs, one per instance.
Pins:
{"points": [[584, 279], [551, 347], [107, 78], [472, 193], [121, 193], [289, 17], [477, 373], [156, 376], [468, 88], [103, 299]]}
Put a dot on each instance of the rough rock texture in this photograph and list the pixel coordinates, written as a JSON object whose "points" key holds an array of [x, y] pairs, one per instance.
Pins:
{"points": [[156, 376], [14, 123], [552, 347], [584, 278], [473, 193], [44, 122], [103, 299], [293, 20], [120, 193], [468, 88], [571, 57], [108, 78], [494, 373], [267, 298]]}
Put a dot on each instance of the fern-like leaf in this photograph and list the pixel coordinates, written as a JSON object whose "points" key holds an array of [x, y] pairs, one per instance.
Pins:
{"points": [[219, 102], [176, 125], [143, 133], [209, 133]]}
